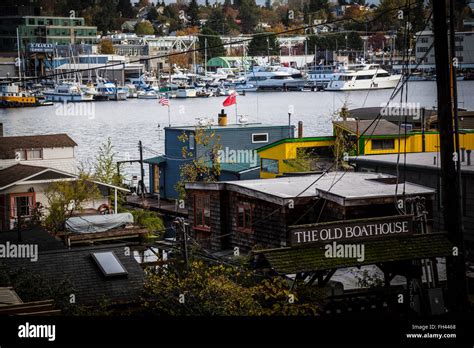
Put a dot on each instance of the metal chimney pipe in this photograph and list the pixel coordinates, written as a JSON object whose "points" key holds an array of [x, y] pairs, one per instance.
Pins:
{"points": [[463, 153], [300, 129], [469, 157]]}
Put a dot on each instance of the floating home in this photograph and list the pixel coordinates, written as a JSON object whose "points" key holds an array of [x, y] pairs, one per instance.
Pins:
{"points": [[288, 224], [238, 158], [363, 137], [424, 169]]}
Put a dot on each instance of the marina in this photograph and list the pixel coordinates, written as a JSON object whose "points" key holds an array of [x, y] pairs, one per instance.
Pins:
{"points": [[171, 160]]}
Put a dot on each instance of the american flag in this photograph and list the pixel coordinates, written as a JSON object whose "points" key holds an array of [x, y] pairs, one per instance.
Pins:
{"points": [[164, 101]]}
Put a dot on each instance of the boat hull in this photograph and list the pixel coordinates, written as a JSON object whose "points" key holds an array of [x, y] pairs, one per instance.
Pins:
{"points": [[357, 85]]}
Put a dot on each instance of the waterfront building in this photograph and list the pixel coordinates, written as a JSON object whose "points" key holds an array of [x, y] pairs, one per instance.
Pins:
{"points": [[44, 29], [238, 159], [289, 224], [55, 151], [26, 186], [464, 49], [424, 169], [299, 155]]}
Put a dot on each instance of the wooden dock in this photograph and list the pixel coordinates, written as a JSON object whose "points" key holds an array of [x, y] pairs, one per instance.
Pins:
{"points": [[165, 207]]}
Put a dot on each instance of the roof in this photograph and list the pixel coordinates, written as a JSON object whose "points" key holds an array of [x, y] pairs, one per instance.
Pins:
{"points": [[155, 160], [234, 167], [8, 296], [423, 160], [295, 140], [370, 113], [78, 267], [465, 118], [368, 127], [36, 235], [344, 188], [8, 145], [230, 126], [22, 174], [311, 257], [17, 172]]}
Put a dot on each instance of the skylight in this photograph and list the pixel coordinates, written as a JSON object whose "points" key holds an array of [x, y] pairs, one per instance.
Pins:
{"points": [[109, 264]]}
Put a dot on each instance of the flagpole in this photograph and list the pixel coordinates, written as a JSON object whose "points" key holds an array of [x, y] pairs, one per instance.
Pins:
{"points": [[169, 117]]}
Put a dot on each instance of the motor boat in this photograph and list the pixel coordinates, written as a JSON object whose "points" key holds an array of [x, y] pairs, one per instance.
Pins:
{"points": [[363, 77]]}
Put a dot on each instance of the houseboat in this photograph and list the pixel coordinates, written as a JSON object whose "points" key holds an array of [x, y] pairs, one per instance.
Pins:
{"points": [[67, 92]]}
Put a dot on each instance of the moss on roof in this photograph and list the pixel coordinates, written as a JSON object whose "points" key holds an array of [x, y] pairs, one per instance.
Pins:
{"points": [[310, 258]]}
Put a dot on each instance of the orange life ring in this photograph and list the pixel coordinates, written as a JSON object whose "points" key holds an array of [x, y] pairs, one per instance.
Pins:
{"points": [[104, 209]]}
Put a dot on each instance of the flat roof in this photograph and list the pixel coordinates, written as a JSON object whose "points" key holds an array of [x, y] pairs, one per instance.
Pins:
{"points": [[423, 160], [344, 188], [229, 126]]}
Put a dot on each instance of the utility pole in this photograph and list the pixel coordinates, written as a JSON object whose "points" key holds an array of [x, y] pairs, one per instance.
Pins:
{"points": [[181, 233], [142, 171], [450, 188]]}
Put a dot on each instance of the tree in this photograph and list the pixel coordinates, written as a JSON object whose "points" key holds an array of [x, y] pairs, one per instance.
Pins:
{"points": [[106, 47], [106, 170], [66, 197], [152, 14], [193, 13], [218, 290], [204, 168], [248, 15], [106, 16], [125, 8], [214, 43], [144, 28], [263, 44]]}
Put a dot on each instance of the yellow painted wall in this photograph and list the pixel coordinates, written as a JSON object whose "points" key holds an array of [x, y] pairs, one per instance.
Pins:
{"points": [[414, 144], [287, 151]]}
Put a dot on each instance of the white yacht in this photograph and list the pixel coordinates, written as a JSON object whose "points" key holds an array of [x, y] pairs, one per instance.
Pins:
{"points": [[363, 76], [319, 76], [109, 91], [186, 92], [276, 77], [67, 92]]}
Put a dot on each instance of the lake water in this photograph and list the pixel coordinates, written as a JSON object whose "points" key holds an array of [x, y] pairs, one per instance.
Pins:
{"points": [[127, 122]]}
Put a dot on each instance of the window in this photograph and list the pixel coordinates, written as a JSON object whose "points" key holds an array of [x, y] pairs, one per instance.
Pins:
{"points": [[269, 165], [109, 264], [364, 77], [24, 202], [191, 142], [260, 138], [244, 218], [34, 154], [202, 212], [382, 75], [383, 144]]}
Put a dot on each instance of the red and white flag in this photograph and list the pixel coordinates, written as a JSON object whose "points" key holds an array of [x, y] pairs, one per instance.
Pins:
{"points": [[164, 101], [230, 100]]}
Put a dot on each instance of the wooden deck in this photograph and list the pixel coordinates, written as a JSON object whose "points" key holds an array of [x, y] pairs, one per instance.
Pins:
{"points": [[151, 202]]}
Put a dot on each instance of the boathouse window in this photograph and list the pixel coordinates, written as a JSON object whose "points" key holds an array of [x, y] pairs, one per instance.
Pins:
{"points": [[191, 141], [260, 138], [383, 144], [202, 212], [24, 202], [269, 165], [244, 218]]}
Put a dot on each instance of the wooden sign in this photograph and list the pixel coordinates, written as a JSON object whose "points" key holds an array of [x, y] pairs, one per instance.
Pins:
{"points": [[354, 230]]}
